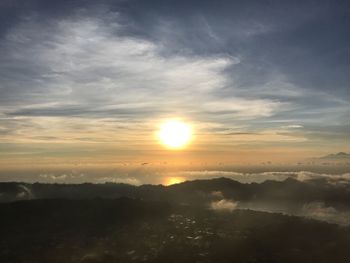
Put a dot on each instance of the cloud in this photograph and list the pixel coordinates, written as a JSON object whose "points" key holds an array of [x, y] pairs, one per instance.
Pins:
{"points": [[87, 62], [335, 179], [293, 126], [217, 194], [82, 68], [223, 205], [25, 192], [120, 180], [248, 177], [53, 176], [130, 62], [62, 177], [320, 211]]}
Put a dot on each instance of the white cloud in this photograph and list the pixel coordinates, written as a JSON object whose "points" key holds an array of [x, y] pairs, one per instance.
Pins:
{"points": [[320, 211], [293, 126], [120, 180], [62, 177], [89, 62], [224, 205], [25, 192], [85, 68], [331, 178]]}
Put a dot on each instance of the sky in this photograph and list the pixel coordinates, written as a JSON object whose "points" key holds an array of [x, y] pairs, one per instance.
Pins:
{"points": [[90, 82]]}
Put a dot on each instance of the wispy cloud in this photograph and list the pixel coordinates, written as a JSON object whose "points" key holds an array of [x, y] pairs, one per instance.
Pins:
{"points": [[84, 74], [120, 180], [62, 177], [82, 68]]}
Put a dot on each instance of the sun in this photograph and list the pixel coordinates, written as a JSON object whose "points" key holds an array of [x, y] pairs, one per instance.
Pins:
{"points": [[175, 134], [174, 180]]}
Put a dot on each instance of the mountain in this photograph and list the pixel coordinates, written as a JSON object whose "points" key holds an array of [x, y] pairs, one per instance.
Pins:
{"points": [[337, 156], [319, 199], [191, 192]]}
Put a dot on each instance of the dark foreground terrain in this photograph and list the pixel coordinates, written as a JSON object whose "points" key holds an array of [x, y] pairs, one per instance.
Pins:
{"points": [[131, 230]]}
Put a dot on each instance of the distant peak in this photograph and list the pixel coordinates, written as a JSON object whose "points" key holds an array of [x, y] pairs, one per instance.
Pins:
{"points": [[341, 154]]}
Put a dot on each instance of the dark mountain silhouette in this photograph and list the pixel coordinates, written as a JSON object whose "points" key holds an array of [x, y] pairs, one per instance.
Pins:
{"points": [[337, 156], [191, 192]]}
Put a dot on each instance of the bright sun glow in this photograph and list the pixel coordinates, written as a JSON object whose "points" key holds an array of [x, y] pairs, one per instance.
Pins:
{"points": [[174, 180], [175, 134]]}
